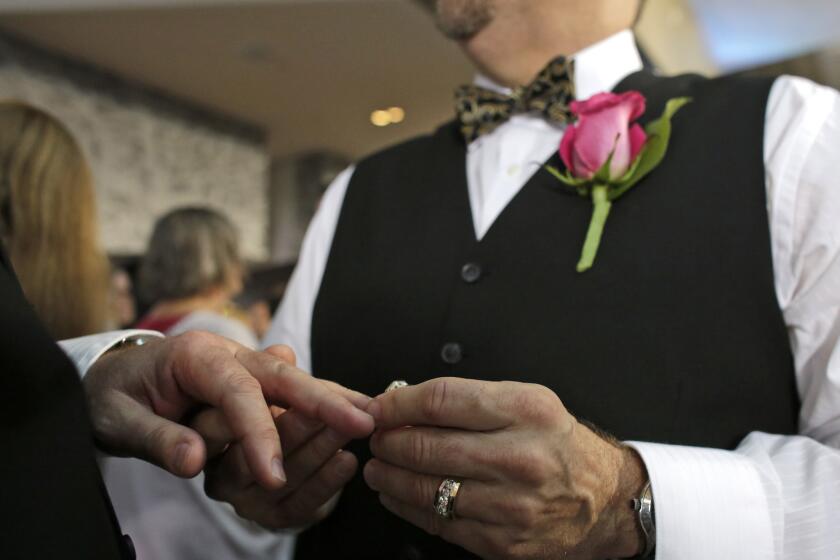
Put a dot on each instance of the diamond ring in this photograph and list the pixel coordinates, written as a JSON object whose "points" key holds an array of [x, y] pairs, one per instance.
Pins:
{"points": [[445, 498], [396, 385]]}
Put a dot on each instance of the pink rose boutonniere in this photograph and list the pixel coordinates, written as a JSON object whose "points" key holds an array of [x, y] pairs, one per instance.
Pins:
{"points": [[606, 153]]}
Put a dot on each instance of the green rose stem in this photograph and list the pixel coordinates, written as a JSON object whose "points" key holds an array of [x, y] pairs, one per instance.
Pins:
{"points": [[600, 212]]}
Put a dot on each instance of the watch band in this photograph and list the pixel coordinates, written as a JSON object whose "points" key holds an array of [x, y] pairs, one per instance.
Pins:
{"points": [[643, 506]]}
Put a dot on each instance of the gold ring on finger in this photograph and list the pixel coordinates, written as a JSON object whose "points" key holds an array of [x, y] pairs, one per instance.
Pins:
{"points": [[445, 498]]}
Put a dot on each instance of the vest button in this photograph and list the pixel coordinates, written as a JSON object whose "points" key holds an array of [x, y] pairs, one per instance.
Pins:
{"points": [[471, 273], [452, 353]]}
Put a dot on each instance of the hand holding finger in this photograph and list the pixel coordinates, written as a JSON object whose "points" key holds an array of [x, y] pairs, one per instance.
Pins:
{"points": [[307, 446], [206, 367], [283, 383], [446, 402]]}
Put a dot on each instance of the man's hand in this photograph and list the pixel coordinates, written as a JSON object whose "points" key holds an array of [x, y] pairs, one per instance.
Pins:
{"points": [[139, 396], [317, 468], [536, 483]]}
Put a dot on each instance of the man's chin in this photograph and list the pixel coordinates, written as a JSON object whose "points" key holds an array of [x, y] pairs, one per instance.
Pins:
{"points": [[462, 20]]}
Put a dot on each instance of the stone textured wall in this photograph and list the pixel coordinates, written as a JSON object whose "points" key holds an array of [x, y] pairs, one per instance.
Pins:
{"points": [[148, 155]]}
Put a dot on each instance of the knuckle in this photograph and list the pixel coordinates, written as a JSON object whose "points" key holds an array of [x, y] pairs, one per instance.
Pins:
{"points": [[241, 383], [436, 399], [539, 404], [418, 449], [191, 340]]}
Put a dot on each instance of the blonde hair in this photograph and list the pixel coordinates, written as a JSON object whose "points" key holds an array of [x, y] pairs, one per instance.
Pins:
{"points": [[48, 218]]}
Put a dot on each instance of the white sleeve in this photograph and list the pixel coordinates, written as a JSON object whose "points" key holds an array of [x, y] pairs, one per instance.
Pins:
{"points": [[85, 350], [292, 324], [777, 497]]}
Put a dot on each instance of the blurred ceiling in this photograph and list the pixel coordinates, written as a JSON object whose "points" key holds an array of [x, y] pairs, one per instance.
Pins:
{"points": [[309, 72], [312, 71]]}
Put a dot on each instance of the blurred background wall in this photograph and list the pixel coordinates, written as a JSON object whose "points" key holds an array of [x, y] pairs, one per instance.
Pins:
{"points": [[150, 152], [254, 106]]}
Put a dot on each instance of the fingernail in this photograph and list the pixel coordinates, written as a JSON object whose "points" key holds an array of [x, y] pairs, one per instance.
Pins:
{"points": [[277, 469], [182, 450], [375, 410]]}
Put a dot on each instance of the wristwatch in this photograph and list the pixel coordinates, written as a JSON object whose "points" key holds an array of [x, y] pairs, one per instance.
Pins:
{"points": [[131, 341], [643, 506]]}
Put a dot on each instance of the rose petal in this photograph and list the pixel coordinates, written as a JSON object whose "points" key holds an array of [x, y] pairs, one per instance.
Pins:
{"points": [[637, 102], [638, 137], [566, 147], [595, 104], [620, 157], [602, 134], [603, 130]]}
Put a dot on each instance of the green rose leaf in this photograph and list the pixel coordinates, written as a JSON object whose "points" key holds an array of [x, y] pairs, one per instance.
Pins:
{"points": [[659, 134]]}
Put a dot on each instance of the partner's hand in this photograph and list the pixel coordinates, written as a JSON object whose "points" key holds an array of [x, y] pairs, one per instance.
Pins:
{"points": [[138, 397], [536, 483], [317, 468]]}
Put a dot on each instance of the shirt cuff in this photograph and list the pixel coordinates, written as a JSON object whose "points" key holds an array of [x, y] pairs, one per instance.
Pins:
{"points": [[85, 350], [708, 503]]}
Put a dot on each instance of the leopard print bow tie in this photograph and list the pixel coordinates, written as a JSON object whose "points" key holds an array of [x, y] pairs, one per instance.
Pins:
{"points": [[481, 111]]}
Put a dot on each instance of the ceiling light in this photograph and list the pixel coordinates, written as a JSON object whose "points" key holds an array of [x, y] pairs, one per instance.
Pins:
{"points": [[385, 117], [397, 114], [380, 118]]}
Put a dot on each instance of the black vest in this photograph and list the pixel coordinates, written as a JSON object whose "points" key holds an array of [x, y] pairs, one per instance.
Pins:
{"points": [[674, 336], [53, 502]]}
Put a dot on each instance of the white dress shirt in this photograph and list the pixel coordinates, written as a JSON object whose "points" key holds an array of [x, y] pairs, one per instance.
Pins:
{"points": [[774, 497]]}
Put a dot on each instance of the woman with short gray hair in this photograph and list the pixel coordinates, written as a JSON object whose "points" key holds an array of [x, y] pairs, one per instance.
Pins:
{"points": [[190, 274]]}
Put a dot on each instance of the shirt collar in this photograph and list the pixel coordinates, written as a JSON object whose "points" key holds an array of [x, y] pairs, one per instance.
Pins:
{"points": [[598, 68]]}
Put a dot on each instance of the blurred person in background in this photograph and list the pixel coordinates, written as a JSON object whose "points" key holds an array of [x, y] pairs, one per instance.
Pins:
{"points": [[48, 222], [190, 274], [123, 305], [262, 294]]}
